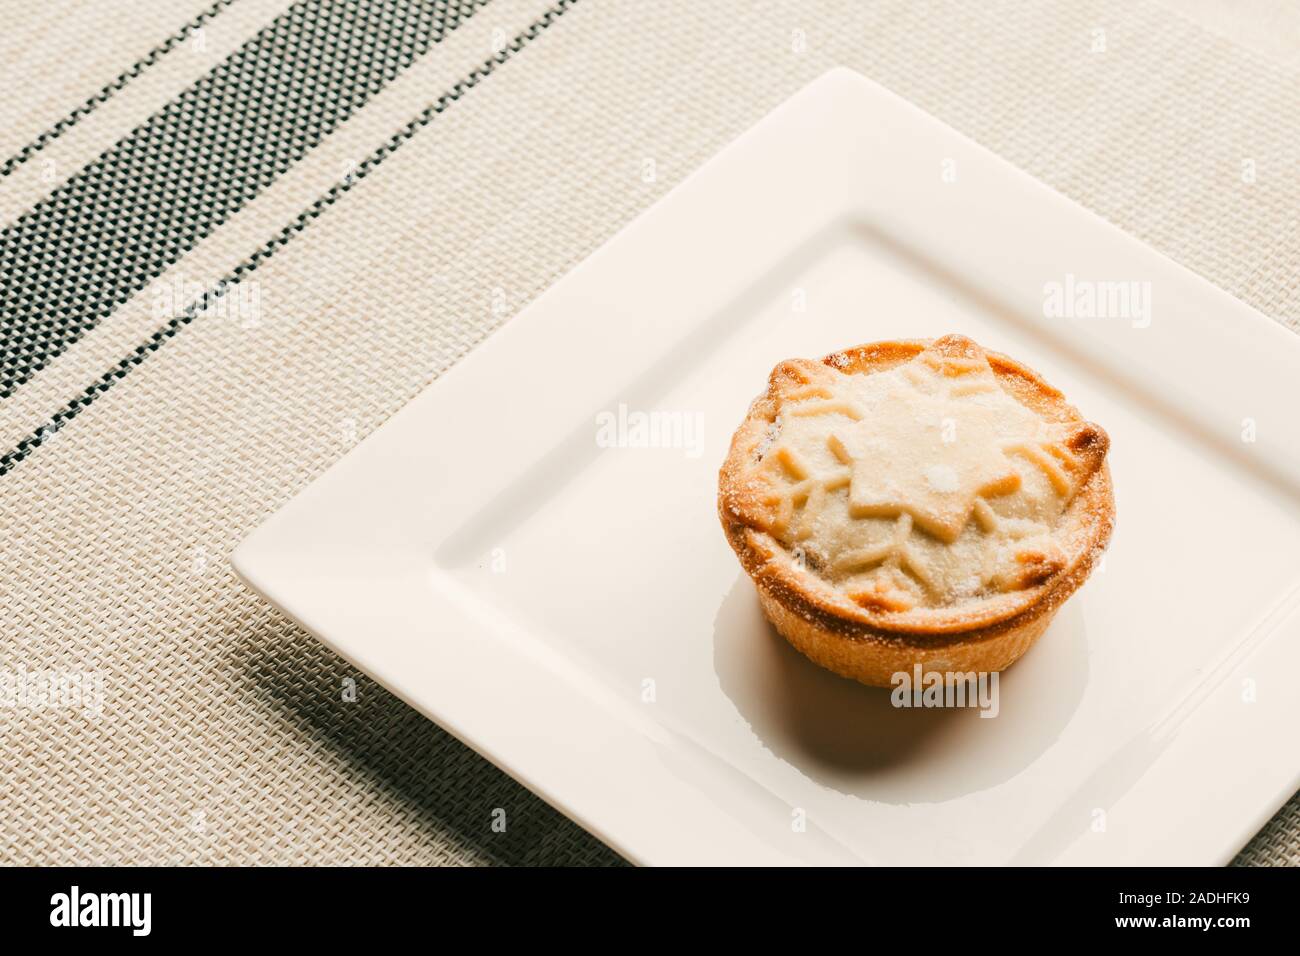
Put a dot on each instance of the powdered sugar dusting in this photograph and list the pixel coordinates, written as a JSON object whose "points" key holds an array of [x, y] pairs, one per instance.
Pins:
{"points": [[941, 478]]}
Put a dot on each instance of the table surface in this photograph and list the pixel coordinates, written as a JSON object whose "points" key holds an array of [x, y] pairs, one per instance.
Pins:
{"points": [[236, 236]]}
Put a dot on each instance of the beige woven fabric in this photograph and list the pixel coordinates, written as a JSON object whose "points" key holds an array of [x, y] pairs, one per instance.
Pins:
{"points": [[224, 734], [114, 109], [57, 53]]}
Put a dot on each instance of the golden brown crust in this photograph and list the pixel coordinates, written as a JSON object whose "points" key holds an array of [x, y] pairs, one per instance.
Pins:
{"points": [[876, 661], [868, 638]]}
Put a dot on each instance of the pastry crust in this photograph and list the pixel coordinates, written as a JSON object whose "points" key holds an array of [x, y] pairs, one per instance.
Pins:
{"points": [[870, 637]]}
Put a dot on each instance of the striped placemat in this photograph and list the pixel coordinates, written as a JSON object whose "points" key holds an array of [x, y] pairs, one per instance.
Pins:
{"points": [[236, 236]]}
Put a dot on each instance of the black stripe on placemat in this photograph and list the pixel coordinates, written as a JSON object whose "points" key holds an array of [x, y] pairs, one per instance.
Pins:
{"points": [[174, 325], [106, 233], [92, 104]]}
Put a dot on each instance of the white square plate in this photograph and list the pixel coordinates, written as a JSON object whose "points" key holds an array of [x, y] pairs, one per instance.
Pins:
{"points": [[574, 613]]}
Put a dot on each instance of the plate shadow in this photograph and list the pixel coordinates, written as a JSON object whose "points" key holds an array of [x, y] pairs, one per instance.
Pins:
{"points": [[850, 738]]}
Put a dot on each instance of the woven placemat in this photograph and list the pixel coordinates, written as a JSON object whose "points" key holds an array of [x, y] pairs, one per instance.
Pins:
{"points": [[241, 250]]}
